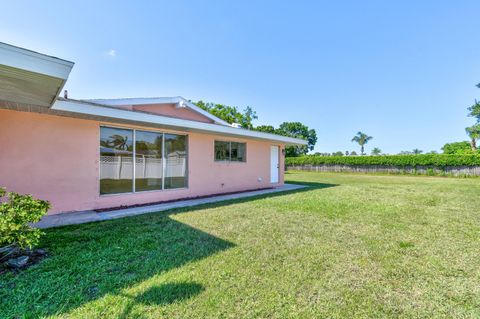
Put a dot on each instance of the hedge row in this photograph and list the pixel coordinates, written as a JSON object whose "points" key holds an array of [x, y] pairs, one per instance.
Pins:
{"points": [[434, 160]]}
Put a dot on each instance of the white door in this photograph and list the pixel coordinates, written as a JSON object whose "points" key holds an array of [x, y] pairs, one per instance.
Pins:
{"points": [[274, 164]]}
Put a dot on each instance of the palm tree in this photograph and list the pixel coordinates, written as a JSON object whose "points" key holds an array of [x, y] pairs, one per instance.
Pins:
{"points": [[417, 151], [119, 141], [361, 139], [376, 151], [474, 133]]}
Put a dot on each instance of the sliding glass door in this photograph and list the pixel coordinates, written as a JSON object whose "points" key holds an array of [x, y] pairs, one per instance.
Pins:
{"points": [[116, 160], [138, 160], [148, 161], [176, 161]]}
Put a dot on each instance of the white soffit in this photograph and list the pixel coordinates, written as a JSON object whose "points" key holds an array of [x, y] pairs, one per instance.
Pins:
{"points": [[102, 113], [31, 77]]}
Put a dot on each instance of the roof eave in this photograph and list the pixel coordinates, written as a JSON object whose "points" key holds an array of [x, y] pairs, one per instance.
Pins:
{"points": [[204, 113], [32, 61], [46, 75], [112, 114]]}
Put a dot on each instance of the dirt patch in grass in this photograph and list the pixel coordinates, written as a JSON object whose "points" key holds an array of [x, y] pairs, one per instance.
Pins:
{"points": [[19, 260]]}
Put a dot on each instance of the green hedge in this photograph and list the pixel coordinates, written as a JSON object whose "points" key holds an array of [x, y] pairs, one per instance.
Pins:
{"points": [[434, 160]]}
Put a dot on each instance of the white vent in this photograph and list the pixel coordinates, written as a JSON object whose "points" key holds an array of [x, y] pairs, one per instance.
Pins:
{"points": [[181, 104], [236, 125]]}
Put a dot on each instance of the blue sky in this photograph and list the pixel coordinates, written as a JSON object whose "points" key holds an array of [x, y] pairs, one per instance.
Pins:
{"points": [[401, 71]]}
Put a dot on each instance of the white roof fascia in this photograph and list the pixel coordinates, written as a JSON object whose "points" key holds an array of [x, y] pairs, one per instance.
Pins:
{"points": [[205, 113], [24, 59], [135, 101], [158, 100], [97, 111]]}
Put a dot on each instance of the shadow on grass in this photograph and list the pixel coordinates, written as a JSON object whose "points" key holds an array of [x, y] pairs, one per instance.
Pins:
{"points": [[163, 295], [92, 260], [169, 293]]}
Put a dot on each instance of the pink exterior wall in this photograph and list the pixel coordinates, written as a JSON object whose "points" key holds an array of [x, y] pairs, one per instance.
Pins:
{"points": [[57, 159]]}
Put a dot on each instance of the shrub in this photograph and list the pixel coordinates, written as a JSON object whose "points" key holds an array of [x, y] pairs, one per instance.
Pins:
{"points": [[433, 160], [15, 215], [463, 147]]}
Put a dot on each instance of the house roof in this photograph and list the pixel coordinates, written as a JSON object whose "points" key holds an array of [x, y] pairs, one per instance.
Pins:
{"points": [[31, 77], [95, 111], [31, 81], [178, 100]]}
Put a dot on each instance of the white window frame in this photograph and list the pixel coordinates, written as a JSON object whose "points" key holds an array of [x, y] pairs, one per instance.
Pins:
{"points": [[229, 160], [164, 162]]}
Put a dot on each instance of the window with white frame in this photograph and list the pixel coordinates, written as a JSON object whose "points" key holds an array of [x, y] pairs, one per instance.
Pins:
{"points": [[139, 160], [230, 151]]}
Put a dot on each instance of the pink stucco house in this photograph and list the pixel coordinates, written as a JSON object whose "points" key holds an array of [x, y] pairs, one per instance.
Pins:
{"points": [[93, 154]]}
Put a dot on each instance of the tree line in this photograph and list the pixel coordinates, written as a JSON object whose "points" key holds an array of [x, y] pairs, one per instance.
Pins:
{"points": [[233, 114], [473, 132], [362, 139], [458, 148]]}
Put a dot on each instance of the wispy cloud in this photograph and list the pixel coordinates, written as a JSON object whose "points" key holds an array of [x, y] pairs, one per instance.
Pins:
{"points": [[112, 53]]}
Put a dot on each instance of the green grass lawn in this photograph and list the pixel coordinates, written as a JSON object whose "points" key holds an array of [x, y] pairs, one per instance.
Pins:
{"points": [[348, 246]]}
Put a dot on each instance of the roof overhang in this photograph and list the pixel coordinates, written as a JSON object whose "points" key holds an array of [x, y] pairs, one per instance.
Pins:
{"points": [[115, 115], [30, 77]]}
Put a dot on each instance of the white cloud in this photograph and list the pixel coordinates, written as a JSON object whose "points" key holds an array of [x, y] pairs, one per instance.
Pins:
{"points": [[112, 53]]}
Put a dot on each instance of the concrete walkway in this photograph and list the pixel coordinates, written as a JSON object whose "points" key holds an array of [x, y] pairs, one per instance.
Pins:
{"points": [[92, 216]]}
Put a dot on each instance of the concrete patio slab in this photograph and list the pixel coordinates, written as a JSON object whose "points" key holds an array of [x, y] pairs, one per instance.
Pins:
{"points": [[92, 216]]}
